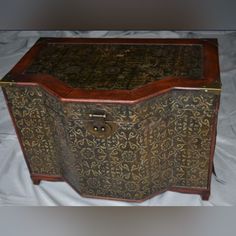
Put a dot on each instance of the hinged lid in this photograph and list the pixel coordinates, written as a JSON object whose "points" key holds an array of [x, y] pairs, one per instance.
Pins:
{"points": [[117, 70]]}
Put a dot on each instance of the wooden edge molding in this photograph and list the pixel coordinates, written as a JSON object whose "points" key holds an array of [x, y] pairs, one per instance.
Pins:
{"points": [[209, 83]]}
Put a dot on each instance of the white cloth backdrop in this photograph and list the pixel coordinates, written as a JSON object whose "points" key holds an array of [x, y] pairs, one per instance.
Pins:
{"points": [[16, 187]]}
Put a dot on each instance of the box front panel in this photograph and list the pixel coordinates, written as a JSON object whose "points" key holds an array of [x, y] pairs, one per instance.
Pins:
{"points": [[160, 143], [145, 148]]}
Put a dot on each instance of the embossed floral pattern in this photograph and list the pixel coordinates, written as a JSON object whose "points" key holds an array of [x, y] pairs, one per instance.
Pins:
{"points": [[105, 66], [35, 129], [162, 142]]}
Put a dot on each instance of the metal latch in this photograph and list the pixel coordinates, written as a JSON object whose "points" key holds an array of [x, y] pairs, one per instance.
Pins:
{"points": [[99, 126]]}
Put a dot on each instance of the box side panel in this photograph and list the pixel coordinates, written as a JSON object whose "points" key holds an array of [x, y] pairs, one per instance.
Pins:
{"points": [[191, 125], [34, 127]]}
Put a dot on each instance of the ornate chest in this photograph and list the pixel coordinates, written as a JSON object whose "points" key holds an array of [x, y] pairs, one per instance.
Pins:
{"points": [[121, 119]]}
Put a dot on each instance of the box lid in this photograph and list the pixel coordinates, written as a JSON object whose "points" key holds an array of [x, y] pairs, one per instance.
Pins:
{"points": [[117, 70]]}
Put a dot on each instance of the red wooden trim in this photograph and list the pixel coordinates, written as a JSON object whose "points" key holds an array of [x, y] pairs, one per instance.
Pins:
{"points": [[211, 63], [65, 93], [27, 59], [46, 177]]}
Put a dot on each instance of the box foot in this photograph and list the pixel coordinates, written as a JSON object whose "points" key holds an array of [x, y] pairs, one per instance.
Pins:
{"points": [[205, 196], [36, 181]]}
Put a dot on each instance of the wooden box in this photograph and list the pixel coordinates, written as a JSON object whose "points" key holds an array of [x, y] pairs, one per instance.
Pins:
{"points": [[121, 119]]}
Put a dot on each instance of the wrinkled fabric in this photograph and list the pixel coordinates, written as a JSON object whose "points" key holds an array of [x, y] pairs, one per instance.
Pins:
{"points": [[16, 188]]}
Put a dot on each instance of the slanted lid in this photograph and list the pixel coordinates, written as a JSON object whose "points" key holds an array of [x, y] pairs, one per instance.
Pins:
{"points": [[117, 70]]}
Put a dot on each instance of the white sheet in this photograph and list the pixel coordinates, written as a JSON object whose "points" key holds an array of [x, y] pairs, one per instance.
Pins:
{"points": [[16, 187]]}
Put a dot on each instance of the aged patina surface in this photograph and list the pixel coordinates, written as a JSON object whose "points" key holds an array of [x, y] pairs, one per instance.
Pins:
{"points": [[117, 66], [106, 135], [157, 144]]}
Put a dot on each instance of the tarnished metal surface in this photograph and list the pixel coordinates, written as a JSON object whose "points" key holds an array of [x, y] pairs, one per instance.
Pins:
{"points": [[158, 143], [111, 66]]}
